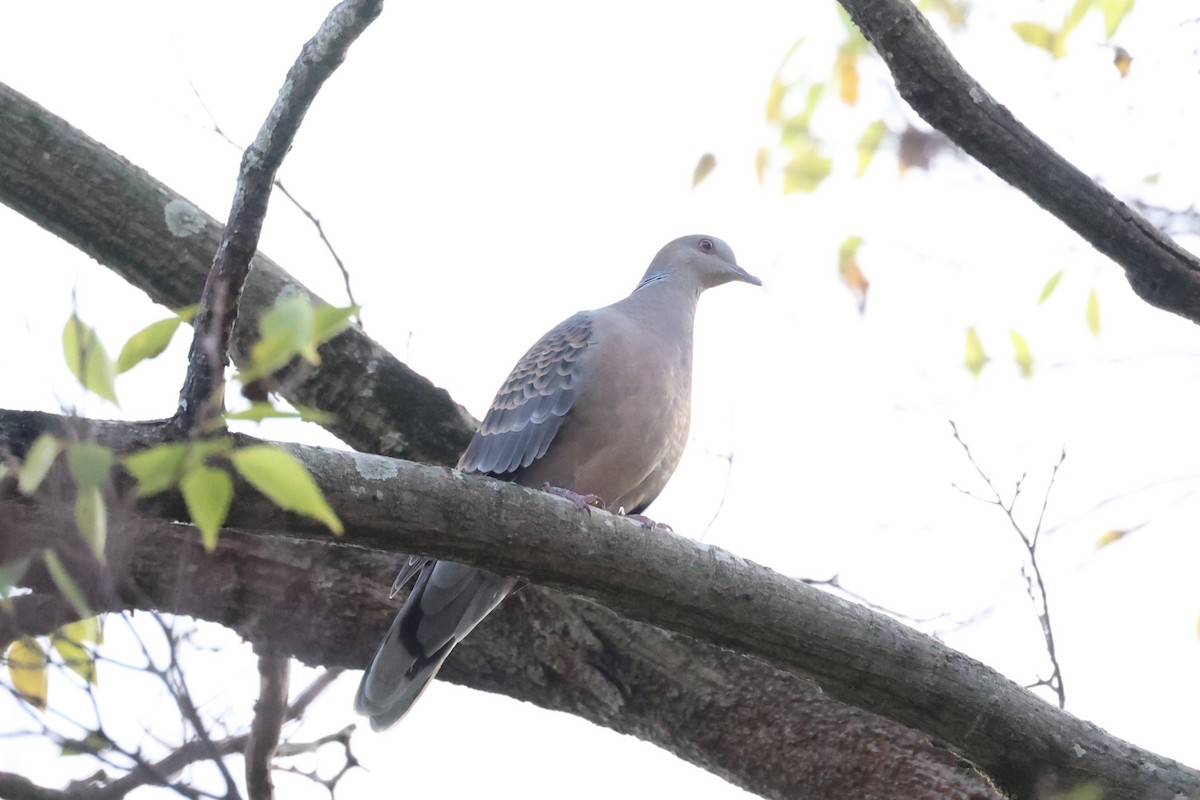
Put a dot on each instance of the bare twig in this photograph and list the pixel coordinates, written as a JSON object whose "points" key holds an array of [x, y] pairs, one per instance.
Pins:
{"points": [[269, 713], [200, 399], [217, 129], [1035, 583]]}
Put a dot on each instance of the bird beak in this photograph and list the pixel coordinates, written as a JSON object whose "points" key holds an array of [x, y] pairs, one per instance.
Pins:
{"points": [[742, 275]]}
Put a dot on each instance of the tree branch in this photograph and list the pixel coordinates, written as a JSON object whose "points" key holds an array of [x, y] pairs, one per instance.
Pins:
{"points": [[940, 90], [160, 242], [857, 656], [269, 714], [202, 395]]}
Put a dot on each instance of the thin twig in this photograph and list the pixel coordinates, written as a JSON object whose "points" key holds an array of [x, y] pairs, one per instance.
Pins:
{"points": [[269, 714], [1035, 583], [200, 398]]}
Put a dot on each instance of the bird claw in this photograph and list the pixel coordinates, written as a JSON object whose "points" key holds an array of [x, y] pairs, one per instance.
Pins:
{"points": [[646, 522], [585, 501]]}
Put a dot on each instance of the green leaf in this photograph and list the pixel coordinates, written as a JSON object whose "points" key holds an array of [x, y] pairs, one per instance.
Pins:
{"points": [[259, 411], [315, 415], [1092, 790], [1115, 12], [1093, 312], [208, 492], [975, 358], [286, 331], [156, 468], [281, 477], [1050, 286], [88, 360], [1075, 15], [91, 517], [186, 313], [27, 669], [89, 463], [329, 321], [38, 460], [868, 145], [1037, 35], [66, 584], [12, 572], [1021, 354], [149, 342], [75, 656], [94, 742]]}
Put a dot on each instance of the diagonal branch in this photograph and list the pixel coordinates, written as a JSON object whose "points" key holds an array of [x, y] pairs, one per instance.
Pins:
{"points": [[937, 87], [201, 397], [855, 655], [164, 245]]}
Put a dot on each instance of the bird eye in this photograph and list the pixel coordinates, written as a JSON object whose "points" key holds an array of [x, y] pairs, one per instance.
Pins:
{"points": [[706, 245]]}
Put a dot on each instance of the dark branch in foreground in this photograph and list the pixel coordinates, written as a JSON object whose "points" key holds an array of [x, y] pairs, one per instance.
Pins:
{"points": [[940, 90], [201, 397], [861, 658]]}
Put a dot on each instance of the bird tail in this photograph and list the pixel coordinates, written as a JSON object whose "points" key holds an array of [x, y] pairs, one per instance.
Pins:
{"points": [[446, 603]]}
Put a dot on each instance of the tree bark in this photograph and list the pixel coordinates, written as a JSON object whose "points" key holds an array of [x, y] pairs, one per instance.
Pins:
{"points": [[1025, 745], [928, 76]]}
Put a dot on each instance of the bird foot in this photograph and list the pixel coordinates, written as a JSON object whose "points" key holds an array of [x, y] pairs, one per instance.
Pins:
{"points": [[646, 522], [585, 501]]}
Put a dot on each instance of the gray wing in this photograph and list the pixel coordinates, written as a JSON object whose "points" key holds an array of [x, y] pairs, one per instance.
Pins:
{"points": [[531, 405]]}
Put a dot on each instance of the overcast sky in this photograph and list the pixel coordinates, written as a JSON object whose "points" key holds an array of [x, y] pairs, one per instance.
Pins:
{"points": [[485, 170]]}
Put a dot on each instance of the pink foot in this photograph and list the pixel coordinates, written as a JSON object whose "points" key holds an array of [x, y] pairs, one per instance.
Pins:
{"points": [[649, 523], [585, 501]]}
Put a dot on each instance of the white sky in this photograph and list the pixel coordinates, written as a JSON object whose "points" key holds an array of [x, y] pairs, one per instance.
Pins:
{"points": [[485, 170]]}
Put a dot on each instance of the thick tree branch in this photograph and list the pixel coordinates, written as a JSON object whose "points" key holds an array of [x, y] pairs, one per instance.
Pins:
{"points": [[940, 90], [202, 395], [163, 244], [857, 656]]}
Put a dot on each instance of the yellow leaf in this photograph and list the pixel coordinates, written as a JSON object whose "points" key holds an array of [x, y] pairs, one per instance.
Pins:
{"points": [[868, 144], [149, 342], [75, 656], [774, 106], [88, 629], [281, 477], [1021, 354], [1093, 312], [1110, 537], [975, 358], [850, 272], [846, 70], [703, 167], [1075, 16], [1115, 12], [208, 492], [88, 360], [1050, 286], [807, 168], [38, 460], [761, 159], [1122, 60], [27, 668], [1037, 35]]}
